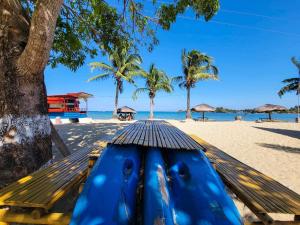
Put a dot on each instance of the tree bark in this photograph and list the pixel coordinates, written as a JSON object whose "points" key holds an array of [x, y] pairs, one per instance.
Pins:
{"points": [[116, 100], [188, 105], [25, 142], [151, 108]]}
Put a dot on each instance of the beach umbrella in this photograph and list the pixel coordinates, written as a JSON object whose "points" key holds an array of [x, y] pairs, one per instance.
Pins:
{"points": [[269, 108], [126, 109], [203, 108]]}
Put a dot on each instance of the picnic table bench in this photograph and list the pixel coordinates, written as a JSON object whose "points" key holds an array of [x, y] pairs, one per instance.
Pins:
{"points": [[37, 193], [260, 193]]}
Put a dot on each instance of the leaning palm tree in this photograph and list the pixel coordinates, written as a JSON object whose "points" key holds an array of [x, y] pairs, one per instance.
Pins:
{"points": [[124, 65], [292, 84], [196, 67], [156, 80]]}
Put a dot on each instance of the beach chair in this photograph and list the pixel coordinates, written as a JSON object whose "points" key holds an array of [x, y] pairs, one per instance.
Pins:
{"points": [[260, 193], [30, 199]]}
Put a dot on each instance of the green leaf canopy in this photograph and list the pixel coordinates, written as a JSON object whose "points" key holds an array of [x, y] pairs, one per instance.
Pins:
{"points": [[86, 26]]}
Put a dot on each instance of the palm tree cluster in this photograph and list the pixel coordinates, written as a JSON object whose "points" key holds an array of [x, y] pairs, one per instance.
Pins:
{"points": [[156, 80], [124, 65], [196, 66]]}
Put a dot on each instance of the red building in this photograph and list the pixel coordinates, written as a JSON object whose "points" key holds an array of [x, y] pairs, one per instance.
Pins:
{"points": [[68, 105]]}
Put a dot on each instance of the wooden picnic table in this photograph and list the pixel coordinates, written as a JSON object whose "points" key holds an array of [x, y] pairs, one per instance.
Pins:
{"points": [[156, 133]]}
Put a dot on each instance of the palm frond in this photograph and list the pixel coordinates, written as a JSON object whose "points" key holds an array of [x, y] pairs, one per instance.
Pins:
{"points": [[134, 59], [99, 77], [176, 79], [291, 80], [183, 84], [214, 70], [288, 88], [296, 63], [205, 76], [101, 65], [139, 91], [196, 66], [165, 86]]}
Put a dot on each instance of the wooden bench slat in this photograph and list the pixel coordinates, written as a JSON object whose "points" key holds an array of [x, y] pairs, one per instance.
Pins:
{"points": [[265, 205], [157, 136], [260, 191], [38, 184], [49, 188], [136, 136], [23, 182], [43, 188]]}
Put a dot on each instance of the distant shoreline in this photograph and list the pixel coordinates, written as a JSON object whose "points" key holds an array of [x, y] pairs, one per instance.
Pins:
{"points": [[214, 116]]}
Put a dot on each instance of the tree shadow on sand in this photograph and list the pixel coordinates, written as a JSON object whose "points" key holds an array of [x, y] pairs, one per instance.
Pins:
{"points": [[79, 136], [280, 148], [289, 133]]}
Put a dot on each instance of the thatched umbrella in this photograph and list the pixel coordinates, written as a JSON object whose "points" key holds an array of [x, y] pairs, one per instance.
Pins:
{"points": [[269, 108], [125, 113], [126, 109], [203, 108]]}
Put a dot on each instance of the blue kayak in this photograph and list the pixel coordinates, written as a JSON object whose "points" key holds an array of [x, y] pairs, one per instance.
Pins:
{"points": [[157, 207], [197, 192], [109, 195]]}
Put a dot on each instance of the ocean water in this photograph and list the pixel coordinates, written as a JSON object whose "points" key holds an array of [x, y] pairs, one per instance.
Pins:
{"points": [[140, 115]]}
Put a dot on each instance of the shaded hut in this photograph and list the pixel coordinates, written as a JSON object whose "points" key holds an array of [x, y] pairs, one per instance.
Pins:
{"points": [[269, 108], [126, 113], [203, 108]]}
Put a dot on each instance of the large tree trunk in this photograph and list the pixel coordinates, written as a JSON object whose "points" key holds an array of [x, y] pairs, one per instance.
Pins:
{"points": [[188, 104], [25, 142], [151, 108], [116, 100]]}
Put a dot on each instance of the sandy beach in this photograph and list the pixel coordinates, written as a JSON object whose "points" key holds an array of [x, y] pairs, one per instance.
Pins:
{"points": [[272, 148]]}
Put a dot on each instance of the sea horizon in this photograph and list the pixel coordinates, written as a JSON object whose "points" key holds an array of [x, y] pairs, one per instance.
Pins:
{"points": [[215, 116]]}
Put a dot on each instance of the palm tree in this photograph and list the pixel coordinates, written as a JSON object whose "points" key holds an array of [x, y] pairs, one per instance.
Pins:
{"points": [[292, 84], [156, 80], [196, 67], [124, 65]]}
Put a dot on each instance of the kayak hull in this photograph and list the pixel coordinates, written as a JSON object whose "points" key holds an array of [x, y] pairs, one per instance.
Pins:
{"points": [[197, 192], [157, 207], [180, 188], [109, 195]]}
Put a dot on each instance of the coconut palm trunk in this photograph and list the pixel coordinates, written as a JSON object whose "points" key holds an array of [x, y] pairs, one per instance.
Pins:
{"points": [[25, 141], [188, 104], [298, 107], [116, 100], [151, 107]]}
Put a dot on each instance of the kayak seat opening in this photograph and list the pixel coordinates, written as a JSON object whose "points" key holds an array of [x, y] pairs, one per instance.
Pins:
{"points": [[128, 167], [182, 170]]}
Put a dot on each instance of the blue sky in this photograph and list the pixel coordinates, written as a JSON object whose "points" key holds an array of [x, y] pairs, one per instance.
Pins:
{"points": [[251, 41]]}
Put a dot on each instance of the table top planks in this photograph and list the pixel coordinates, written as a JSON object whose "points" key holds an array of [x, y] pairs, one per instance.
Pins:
{"points": [[155, 133]]}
